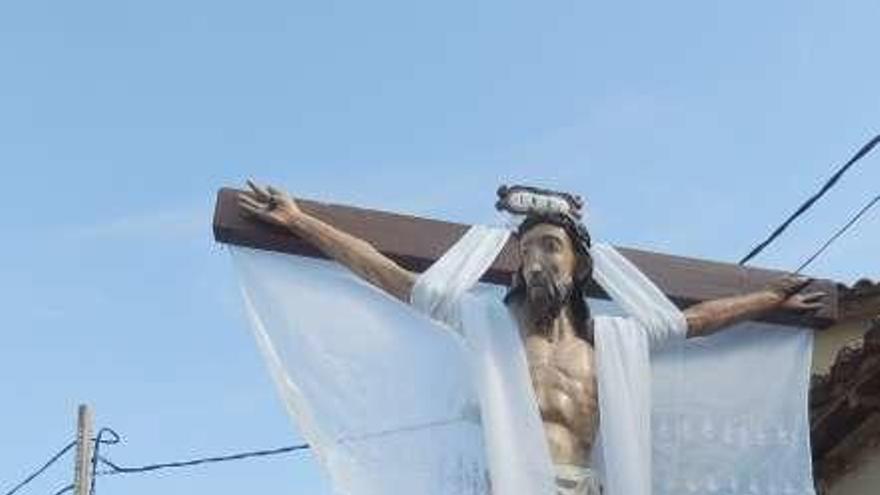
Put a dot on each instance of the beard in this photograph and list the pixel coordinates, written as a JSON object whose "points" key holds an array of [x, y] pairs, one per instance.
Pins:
{"points": [[546, 296]]}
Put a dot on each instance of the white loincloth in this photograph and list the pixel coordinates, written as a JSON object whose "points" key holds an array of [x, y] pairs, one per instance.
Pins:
{"points": [[576, 480]]}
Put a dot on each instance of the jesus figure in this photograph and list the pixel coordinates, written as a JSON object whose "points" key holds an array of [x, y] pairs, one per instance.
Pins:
{"points": [[546, 300]]}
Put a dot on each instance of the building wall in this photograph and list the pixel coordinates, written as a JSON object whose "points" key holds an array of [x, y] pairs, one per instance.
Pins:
{"points": [[829, 342], [863, 480]]}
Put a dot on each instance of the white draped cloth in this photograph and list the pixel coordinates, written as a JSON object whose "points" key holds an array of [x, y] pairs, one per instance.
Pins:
{"points": [[396, 403]]}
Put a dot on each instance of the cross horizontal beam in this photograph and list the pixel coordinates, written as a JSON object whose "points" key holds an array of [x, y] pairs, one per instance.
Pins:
{"points": [[415, 243]]}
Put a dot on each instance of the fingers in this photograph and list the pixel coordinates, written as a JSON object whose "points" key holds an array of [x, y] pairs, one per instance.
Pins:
{"points": [[275, 192], [810, 306], [249, 208], [810, 302], [245, 200], [258, 191], [799, 282], [813, 297], [254, 207], [791, 284]]}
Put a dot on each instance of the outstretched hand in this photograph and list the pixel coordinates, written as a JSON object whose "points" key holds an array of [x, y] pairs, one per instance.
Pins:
{"points": [[811, 301], [790, 288], [268, 204]]}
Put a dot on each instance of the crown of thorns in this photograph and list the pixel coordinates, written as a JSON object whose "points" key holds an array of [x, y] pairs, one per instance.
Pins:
{"points": [[546, 206]]}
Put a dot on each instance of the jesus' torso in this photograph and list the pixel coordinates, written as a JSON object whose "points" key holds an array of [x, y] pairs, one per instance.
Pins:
{"points": [[563, 374]]}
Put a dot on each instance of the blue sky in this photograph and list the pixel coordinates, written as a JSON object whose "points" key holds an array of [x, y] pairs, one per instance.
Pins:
{"points": [[690, 127]]}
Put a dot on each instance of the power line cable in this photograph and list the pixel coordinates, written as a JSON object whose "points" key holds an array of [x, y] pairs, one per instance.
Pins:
{"points": [[117, 469], [107, 436], [68, 488], [45, 466], [864, 150], [852, 221], [96, 452]]}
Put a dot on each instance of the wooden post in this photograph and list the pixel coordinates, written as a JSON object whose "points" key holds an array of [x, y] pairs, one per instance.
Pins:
{"points": [[82, 480]]}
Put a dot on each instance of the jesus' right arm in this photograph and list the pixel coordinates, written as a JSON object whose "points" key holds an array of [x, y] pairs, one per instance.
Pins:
{"points": [[278, 208]]}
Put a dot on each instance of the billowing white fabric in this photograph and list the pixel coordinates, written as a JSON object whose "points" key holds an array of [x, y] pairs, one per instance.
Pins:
{"points": [[383, 395], [729, 413], [729, 410], [623, 367], [392, 402], [436, 291], [639, 298], [519, 461]]}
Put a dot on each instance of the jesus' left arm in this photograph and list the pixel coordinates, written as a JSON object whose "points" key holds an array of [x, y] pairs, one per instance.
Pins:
{"points": [[710, 316]]}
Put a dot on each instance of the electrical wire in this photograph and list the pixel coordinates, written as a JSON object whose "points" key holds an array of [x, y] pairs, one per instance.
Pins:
{"points": [[852, 221], [96, 452], [45, 466], [68, 488], [864, 150], [117, 469]]}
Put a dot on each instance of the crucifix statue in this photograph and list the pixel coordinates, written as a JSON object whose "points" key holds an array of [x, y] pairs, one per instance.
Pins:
{"points": [[546, 300]]}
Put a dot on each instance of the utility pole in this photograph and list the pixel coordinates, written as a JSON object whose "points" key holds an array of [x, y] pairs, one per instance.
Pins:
{"points": [[82, 479]]}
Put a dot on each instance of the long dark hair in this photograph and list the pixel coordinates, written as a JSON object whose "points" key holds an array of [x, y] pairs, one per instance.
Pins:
{"points": [[580, 239]]}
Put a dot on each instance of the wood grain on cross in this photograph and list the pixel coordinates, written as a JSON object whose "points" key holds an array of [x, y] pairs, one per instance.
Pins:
{"points": [[415, 243]]}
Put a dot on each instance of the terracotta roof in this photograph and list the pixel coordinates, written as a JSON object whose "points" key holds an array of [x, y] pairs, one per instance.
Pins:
{"points": [[845, 406], [858, 302], [863, 288]]}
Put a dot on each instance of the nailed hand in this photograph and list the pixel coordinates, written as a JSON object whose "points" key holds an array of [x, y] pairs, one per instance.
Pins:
{"points": [[268, 204], [790, 289]]}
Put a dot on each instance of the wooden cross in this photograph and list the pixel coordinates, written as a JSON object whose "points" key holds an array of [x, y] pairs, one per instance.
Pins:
{"points": [[415, 243]]}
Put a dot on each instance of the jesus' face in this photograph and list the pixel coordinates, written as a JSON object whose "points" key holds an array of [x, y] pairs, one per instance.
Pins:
{"points": [[549, 268]]}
